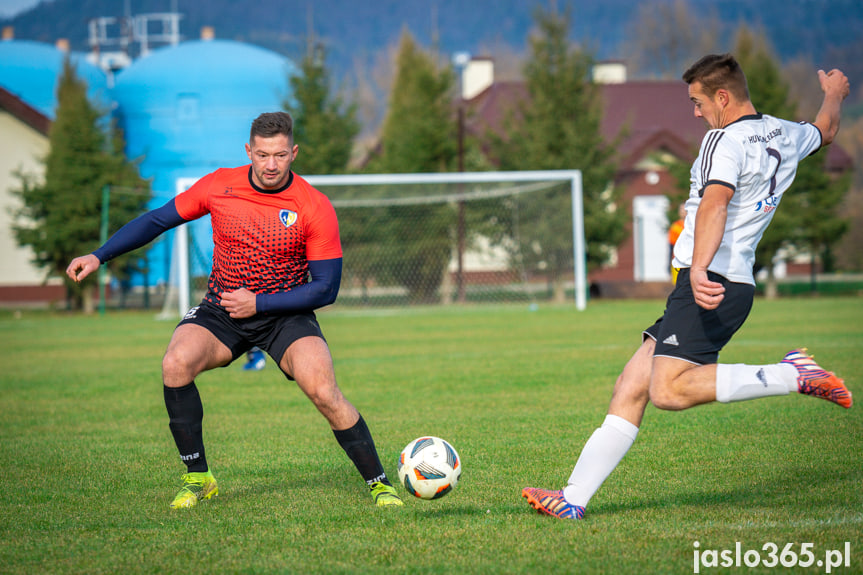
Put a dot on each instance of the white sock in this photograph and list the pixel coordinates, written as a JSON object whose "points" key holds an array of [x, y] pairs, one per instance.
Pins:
{"points": [[601, 454], [739, 382]]}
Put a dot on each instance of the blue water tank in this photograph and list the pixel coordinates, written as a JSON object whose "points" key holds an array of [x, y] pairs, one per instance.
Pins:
{"points": [[186, 110], [31, 71]]}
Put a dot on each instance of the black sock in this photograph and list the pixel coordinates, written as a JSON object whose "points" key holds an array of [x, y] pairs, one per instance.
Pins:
{"points": [[358, 444], [186, 414]]}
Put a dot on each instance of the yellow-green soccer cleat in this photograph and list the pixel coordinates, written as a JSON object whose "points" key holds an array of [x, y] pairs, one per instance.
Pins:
{"points": [[196, 486], [385, 495]]}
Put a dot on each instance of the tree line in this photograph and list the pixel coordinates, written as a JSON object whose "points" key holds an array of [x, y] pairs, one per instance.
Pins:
{"points": [[556, 127]]}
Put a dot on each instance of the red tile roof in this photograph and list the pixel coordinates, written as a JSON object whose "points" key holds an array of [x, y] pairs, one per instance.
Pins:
{"points": [[654, 115], [494, 106], [24, 112], [657, 115]]}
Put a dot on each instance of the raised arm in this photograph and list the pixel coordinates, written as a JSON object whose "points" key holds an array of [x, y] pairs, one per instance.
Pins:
{"points": [[836, 88]]}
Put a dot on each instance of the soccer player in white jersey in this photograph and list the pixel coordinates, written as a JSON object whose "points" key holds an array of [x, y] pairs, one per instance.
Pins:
{"points": [[746, 163]]}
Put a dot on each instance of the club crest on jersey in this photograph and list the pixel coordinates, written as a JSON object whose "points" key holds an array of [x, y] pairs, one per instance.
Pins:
{"points": [[288, 217]]}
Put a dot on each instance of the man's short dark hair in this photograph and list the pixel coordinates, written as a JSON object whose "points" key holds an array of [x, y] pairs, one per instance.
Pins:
{"points": [[271, 124], [716, 71]]}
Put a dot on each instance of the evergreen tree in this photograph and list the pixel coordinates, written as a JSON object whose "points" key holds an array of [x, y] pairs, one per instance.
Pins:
{"points": [[679, 171], [559, 128], [60, 217], [324, 126], [821, 226], [418, 136]]}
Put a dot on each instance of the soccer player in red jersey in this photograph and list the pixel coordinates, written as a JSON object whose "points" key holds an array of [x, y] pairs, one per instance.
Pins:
{"points": [[277, 257]]}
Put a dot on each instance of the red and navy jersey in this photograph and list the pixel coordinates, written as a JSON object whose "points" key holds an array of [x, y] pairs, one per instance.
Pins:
{"points": [[263, 239]]}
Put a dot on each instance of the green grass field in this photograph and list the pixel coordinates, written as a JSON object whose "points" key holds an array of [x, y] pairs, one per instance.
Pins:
{"points": [[89, 466]]}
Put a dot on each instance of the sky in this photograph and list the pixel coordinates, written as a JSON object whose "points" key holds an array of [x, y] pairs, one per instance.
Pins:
{"points": [[9, 8]]}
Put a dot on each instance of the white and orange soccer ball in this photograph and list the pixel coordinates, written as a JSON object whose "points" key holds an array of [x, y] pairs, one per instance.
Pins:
{"points": [[429, 467]]}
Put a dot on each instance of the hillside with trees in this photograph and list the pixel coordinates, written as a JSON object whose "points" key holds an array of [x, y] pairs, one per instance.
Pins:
{"points": [[826, 32]]}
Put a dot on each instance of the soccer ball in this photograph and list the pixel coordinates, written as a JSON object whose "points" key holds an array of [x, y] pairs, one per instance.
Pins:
{"points": [[429, 467]]}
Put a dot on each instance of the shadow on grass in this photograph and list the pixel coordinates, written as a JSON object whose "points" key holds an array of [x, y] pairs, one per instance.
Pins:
{"points": [[763, 490]]}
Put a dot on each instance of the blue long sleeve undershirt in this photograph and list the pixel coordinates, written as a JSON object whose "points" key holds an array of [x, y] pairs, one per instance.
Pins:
{"points": [[322, 290], [140, 231]]}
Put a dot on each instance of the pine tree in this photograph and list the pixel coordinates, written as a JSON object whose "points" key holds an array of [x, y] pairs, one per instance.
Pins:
{"points": [[418, 136], [559, 128], [821, 225], [324, 126], [60, 217]]}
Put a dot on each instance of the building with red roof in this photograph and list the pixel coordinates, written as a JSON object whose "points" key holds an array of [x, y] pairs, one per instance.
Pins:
{"points": [[656, 121]]}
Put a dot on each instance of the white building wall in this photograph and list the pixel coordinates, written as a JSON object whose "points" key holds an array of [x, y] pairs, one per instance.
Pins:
{"points": [[21, 147]]}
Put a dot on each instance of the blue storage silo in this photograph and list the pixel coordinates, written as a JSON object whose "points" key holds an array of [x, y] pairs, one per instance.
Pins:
{"points": [[185, 111], [31, 71]]}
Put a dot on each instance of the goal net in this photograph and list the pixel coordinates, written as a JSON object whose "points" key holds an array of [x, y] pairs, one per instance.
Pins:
{"points": [[435, 239]]}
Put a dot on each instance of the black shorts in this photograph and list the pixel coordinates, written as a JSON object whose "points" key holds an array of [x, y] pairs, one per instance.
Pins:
{"points": [[273, 334], [688, 331]]}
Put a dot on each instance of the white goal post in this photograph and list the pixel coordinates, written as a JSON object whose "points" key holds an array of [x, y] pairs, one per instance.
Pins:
{"points": [[179, 288], [181, 267]]}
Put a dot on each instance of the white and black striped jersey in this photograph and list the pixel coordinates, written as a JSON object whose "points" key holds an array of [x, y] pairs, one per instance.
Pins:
{"points": [[757, 157]]}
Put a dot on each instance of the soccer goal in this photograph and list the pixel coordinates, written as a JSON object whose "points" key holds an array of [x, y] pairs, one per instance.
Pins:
{"points": [[439, 239]]}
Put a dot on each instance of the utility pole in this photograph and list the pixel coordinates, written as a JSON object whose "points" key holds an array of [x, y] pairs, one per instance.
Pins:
{"points": [[460, 60]]}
